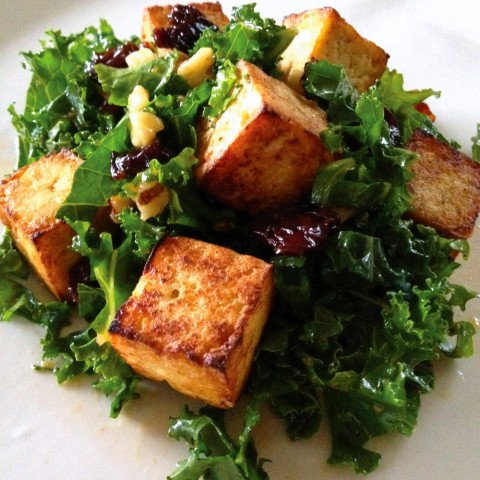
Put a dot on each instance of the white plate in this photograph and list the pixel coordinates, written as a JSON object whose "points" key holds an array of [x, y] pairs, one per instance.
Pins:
{"points": [[64, 432]]}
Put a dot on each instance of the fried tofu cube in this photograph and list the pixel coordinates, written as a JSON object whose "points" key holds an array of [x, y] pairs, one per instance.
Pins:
{"points": [[29, 200], [324, 35], [445, 188], [264, 150], [157, 16], [195, 318]]}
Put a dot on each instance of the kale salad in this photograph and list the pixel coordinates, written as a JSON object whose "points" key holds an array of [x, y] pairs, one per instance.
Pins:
{"points": [[362, 311]]}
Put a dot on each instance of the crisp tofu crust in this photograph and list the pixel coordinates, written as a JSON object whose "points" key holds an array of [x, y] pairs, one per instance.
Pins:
{"points": [[29, 200], [445, 188], [264, 150], [324, 35], [195, 318], [156, 16]]}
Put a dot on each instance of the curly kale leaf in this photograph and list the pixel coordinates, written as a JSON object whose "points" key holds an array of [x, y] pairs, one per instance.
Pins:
{"points": [[60, 105], [250, 37], [67, 355], [213, 454]]}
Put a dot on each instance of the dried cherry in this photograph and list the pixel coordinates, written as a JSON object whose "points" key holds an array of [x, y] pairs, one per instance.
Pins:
{"points": [[296, 230], [187, 24], [129, 164], [115, 56]]}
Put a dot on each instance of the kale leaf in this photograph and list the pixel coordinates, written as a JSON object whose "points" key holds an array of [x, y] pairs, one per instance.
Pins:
{"points": [[248, 36], [62, 105], [213, 454], [67, 355]]}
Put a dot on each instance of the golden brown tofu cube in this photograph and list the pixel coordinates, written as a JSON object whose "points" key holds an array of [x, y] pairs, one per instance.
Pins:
{"points": [[264, 150], [156, 16], [29, 200], [324, 35], [195, 319], [445, 187]]}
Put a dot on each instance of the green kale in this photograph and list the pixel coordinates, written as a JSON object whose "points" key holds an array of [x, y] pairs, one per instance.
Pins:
{"points": [[364, 346], [116, 269], [357, 325], [113, 375], [213, 454], [15, 298], [118, 83], [402, 103], [339, 184], [67, 355], [187, 210], [145, 234], [249, 37], [62, 103], [93, 184], [373, 174], [223, 91], [180, 121]]}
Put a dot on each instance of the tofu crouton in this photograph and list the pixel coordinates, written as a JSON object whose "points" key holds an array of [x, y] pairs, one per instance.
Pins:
{"points": [[445, 187], [324, 35], [195, 318], [264, 150], [157, 16], [29, 200]]}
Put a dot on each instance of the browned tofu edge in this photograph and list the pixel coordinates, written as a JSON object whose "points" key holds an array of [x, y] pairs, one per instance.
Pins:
{"points": [[363, 70], [264, 157], [43, 241], [445, 188], [220, 373]]}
